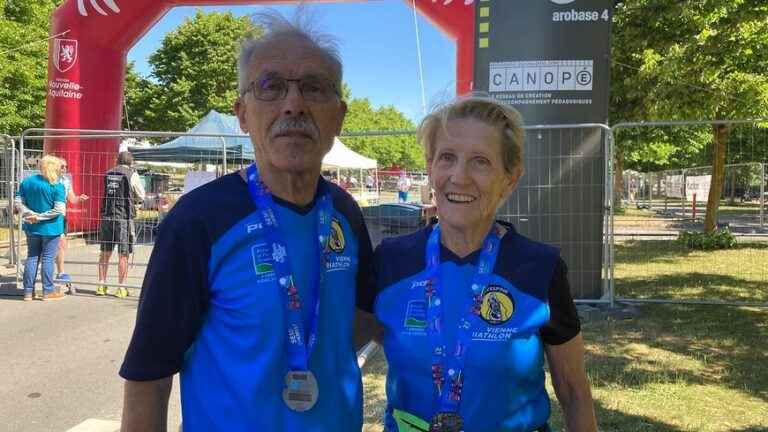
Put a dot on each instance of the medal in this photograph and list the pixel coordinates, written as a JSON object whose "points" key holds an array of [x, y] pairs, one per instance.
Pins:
{"points": [[446, 422], [301, 391], [448, 364]]}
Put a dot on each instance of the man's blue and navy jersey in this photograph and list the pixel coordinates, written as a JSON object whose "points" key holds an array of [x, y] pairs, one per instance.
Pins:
{"points": [[526, 305], [210, 308]]}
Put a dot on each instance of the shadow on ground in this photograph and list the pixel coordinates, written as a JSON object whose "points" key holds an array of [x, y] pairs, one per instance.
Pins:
{"points": [[727, 341]]}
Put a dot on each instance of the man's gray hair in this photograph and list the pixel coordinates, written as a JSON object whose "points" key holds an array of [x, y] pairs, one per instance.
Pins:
{"points": [[277, 27]]}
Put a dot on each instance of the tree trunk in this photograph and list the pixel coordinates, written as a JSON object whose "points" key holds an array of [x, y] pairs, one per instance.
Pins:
{"points": [[720, 135], [618, 180]]}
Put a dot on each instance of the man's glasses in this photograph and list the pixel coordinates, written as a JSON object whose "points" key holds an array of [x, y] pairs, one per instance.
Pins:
{"points": [[275, 88]]}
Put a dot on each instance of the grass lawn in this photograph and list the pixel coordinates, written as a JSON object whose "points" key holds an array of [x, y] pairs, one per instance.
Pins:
{"points": [[664, 269], [673, 368]]}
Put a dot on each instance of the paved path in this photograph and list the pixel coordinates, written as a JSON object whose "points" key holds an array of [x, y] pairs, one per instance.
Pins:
{"points": [[59, 363]]}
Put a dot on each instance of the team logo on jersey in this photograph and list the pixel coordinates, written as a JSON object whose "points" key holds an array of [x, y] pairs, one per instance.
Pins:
{"points": [[65, 54], [263, 266], [415, 320], [336, 243], [498, 306], [416, 315]]}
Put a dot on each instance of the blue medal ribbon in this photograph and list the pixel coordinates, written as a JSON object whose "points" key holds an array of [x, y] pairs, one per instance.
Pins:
{"points": [[448, 366], [299, 347]]}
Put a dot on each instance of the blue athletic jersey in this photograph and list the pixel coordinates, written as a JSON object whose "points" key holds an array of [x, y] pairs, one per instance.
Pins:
{"points": [[504, 375], [211, 309], [39, 195]]}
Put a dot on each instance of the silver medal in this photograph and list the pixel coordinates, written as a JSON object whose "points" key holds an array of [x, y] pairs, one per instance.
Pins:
{"points": [[301, 391]]}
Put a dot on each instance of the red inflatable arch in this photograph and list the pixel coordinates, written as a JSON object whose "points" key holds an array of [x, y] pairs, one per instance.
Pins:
{"points": [[87, 64]]}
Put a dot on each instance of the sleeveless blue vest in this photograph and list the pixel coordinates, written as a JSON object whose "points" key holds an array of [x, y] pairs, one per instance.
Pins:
{"points": [[504, 375]]}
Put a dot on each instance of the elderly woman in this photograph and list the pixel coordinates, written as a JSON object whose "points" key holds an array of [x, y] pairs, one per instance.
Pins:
{"points": [[471, 308], [41, 202]]}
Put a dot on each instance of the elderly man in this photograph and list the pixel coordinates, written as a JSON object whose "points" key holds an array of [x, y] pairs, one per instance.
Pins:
{"points": [[251, 289]]}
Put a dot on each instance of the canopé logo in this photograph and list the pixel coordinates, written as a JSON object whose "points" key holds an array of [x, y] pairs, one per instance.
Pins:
{"points": [[95, 3]]}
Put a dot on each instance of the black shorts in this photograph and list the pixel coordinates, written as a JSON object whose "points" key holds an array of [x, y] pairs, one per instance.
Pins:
{"points": [[117, 232]]}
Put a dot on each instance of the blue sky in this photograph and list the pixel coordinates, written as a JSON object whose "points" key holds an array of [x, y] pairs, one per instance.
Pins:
{"points": [[378, 48]]}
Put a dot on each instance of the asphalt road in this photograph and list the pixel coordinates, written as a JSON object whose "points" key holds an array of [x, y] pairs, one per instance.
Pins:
{"points": [[59, 362]]}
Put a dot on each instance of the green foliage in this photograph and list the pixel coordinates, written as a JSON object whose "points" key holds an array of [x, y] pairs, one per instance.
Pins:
{"points": [[23, 64], [687, 61], [193, 72], [717, 239], [399, 150], [653, 149]]}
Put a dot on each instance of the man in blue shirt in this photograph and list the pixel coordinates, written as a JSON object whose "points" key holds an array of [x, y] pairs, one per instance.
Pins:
{"points": [[251, 289]]}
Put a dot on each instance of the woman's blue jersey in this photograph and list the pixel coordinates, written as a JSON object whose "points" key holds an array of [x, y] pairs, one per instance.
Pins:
{"points": [[39, 195], [211, 309], [504, 375]]}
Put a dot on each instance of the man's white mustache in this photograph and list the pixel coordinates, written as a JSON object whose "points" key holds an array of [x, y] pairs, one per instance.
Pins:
{"points": [[293, 125]]}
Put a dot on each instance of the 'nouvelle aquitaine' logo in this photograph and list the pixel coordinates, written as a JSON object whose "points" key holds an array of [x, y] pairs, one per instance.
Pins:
{"points": [[65, 54]]}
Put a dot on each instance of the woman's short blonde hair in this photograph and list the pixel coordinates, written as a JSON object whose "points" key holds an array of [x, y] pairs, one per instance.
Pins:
{"points": [[50, 168], [483, 108]]}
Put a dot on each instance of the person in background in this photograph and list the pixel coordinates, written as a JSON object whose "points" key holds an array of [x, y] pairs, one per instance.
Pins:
{"points": [[66, 179], [41, 202], [369, 182], [471, 308], [403, 186], [122, 192]]}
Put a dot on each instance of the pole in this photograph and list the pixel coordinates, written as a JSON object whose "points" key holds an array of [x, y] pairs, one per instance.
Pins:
{"points": [[608, 173], [694, 206], [224, 154], [762, 194], [682, 200], [19, 226], [12, 256]]}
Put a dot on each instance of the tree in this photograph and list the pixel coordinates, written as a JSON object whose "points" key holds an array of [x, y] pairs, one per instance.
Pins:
{"points": [[23, 63], [138, 94], [194, 71], [390, 150], [181, 89], [692, 60]]}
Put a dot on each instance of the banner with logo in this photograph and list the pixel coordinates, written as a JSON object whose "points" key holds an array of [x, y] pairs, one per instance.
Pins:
{"points": [[550, 60], [547, 58], [674, 186], [698, 187]]}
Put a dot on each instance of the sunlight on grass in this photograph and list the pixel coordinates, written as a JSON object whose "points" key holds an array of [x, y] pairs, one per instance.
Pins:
{"points": [[665, 269]]}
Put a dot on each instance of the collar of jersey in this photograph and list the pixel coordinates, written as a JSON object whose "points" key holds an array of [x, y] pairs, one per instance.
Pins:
{"points": [[302, 210], [447, 255]]}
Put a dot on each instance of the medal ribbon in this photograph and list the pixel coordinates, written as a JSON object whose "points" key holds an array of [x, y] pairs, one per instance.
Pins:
{"points": [[299, 347], [448, 367]]}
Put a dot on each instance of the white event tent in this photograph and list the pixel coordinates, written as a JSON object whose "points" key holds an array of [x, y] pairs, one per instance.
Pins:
{"points": [[212, 150]]}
